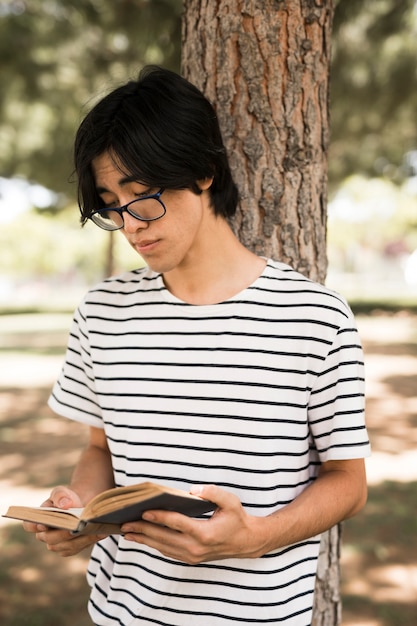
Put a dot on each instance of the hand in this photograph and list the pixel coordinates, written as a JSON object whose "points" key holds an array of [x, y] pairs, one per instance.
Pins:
{"points": [[62, 541], [229, 533]]}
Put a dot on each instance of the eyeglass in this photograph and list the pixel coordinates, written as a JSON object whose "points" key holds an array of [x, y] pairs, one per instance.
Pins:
{"points": [[151, 208]]}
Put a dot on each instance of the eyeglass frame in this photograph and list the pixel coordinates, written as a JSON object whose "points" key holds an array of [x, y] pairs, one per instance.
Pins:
{"points": [[121, 209]]}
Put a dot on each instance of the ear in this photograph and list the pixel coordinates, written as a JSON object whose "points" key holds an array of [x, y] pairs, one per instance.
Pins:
{"points": [[205, 183]]}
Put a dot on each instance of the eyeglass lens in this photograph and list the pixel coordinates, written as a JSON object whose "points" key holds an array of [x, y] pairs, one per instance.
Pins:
{"points": [[146, 209]]}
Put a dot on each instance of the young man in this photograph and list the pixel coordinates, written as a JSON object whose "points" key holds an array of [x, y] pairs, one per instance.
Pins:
{"points": [[212, 370]]}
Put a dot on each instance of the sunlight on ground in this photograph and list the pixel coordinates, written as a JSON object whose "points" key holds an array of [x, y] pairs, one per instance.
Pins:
{"points": [[394, 583], [40, 371], [400, 467], [386, 583], [30, 575], [391, 396], [388, 329]]}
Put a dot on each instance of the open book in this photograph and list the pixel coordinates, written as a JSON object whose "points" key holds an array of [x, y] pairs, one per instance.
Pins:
{"points": [[107, 511]]}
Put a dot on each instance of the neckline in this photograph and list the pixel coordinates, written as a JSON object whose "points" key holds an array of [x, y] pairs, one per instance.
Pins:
{"points": [[169, 297]]}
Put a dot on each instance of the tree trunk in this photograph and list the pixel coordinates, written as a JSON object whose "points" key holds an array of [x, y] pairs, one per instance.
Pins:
{"points": [[264, 64]]}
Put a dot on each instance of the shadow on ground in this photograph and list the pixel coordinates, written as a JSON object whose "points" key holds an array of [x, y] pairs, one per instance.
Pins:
{"points": [[37, 448], [380, 565], [37, 588]]}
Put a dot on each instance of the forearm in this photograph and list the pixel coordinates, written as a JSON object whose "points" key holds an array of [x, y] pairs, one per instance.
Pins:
{"points": [[93, 472], [338, 493]]}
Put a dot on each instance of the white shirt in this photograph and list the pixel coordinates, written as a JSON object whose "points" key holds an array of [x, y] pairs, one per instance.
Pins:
{"points": [[251, 394]]}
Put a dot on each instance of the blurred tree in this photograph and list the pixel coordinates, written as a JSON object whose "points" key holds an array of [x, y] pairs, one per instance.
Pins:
{"points": [[373, 213], [31, 248], [54, 55], [373, 88]]}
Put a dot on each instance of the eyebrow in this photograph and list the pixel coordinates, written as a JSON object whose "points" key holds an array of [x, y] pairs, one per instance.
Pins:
{"points": [[122, 182]]}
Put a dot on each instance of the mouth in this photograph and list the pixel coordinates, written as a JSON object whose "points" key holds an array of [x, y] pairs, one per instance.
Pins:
{"points": [[145, 246]]}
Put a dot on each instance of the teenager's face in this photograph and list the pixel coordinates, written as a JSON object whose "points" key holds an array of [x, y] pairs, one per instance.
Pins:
{"points": [[168, 243]]}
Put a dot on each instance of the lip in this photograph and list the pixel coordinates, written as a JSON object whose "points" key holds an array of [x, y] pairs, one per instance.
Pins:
{"points": [[145, 246]]}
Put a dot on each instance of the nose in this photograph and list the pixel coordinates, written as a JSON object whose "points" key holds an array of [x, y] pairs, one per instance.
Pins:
{"points": [[132, 224]]}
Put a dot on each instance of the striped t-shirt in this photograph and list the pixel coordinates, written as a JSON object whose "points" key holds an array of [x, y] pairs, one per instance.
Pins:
{"points": [[250, 394]]}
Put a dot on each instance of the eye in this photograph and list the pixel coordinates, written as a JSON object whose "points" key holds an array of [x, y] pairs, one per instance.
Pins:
{"points": [[111, 204], [145, 193]]}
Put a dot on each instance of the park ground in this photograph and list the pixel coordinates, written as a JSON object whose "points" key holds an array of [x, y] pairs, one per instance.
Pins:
{"points": [[37, 450]]}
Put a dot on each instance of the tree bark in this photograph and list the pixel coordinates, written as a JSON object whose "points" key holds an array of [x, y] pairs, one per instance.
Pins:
{"points": [[265, 64]]}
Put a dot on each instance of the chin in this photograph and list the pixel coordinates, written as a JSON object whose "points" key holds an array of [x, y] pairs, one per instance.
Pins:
{"points": [[158, 266]]}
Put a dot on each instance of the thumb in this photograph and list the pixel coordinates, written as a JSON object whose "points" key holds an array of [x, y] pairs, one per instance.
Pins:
{"points": [[223, 499], [65, 498]]}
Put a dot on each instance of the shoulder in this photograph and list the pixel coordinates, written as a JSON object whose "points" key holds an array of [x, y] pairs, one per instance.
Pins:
{"points": [[127, 280], [291, 289], [123, 288]]}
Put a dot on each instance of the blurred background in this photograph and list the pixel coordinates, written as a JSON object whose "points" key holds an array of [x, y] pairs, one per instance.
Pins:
{"points": [[54, 54]]}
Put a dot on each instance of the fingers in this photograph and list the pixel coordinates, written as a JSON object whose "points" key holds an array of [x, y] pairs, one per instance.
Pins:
{"points": [[64, 498], [65, 544], [61, 541], [48, 502], [171, 543], [61, 497], [31, 527], [223, 499]]}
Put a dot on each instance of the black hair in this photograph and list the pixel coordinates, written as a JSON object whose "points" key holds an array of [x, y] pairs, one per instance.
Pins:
{"points": [[161, 129]]}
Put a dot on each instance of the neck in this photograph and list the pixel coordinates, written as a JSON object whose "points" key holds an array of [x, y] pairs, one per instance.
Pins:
{"points": [[223, 269]]}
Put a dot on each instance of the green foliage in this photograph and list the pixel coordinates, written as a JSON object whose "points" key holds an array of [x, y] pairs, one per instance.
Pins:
{"points": [[54, 55], [373, 88]]}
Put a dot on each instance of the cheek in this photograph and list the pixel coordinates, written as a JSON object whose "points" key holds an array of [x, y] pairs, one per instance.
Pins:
{"points": [[185, 221]]}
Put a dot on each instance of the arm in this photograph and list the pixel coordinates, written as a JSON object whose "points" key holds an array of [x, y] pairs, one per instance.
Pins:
{"points": [[92, 475], [338, 492], [93, 472]]}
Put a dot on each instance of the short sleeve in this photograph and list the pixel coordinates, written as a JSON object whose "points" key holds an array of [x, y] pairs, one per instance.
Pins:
{"points": [[74, 393], [337, 401]]}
